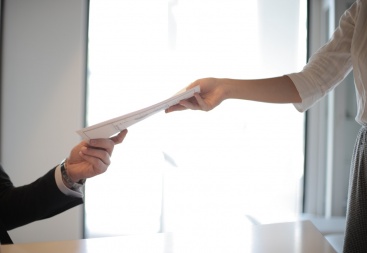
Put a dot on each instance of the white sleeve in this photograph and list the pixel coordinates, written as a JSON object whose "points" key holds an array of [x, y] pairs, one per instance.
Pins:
{"points": [[63, 188], [329, 65]]}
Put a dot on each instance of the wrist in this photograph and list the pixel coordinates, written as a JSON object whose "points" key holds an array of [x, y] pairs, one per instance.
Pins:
{"points": [[67, 180], [226, 88], [71, 171]]}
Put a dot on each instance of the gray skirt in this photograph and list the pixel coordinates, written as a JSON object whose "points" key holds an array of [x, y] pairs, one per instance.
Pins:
{"points": [[356, 227]]}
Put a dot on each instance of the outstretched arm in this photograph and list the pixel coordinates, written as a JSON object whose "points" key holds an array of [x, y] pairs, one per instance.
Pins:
{"points": [[213, 91], [42, 198]]}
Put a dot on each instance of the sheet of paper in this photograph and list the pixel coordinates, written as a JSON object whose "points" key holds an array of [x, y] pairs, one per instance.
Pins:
{"points": [[111, 127]]}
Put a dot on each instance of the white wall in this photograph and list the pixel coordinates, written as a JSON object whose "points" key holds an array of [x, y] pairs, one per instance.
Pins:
{"points": [[44, 58]]}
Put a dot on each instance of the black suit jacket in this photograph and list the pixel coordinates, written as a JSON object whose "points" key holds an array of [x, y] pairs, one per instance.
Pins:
{"points": [[36, 201]]}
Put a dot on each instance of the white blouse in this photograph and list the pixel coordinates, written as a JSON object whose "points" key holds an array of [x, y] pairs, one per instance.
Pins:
{"points": [[346, 50]]}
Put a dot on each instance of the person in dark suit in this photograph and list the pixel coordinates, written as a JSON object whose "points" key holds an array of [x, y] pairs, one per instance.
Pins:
{"points": [[58, 190]]}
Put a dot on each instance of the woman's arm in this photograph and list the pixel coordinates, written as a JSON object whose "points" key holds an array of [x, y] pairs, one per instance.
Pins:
{"points": [[213, 91]]}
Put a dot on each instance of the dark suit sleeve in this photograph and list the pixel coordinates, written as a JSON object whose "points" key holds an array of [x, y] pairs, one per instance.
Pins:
{"points": [[39, 200]]}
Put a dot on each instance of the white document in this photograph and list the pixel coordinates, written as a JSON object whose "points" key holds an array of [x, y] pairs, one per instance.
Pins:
{"points": [[111, 127]]}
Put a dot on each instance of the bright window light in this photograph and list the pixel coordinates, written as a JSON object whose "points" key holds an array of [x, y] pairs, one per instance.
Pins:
{"points": [[194, 170]]}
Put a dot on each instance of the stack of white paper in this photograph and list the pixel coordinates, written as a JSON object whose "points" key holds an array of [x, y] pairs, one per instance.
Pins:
{"points": [[111, 127]]}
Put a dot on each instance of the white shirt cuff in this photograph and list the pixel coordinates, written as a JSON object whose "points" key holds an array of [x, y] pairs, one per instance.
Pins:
{"points": [[63, 188]]}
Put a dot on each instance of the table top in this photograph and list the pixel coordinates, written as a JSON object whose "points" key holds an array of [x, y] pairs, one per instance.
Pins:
{"points": [[300, 237]]}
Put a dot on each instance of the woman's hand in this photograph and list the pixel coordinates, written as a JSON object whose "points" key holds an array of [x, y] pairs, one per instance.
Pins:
{"points": [[212, 93]]}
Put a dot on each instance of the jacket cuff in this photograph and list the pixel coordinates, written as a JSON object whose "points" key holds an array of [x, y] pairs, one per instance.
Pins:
{"points": [[63, 188]]}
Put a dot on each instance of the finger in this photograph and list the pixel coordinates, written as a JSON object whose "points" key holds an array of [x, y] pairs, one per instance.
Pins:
{"points": [[93, 155], [197, 103], [106, 145], [177, 107], [120, 137], [192, 85], [189, 105], [201, 102], [98, 166]]}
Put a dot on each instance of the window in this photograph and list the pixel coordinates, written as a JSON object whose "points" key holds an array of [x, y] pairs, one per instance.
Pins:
{"points": [[192, 169]]}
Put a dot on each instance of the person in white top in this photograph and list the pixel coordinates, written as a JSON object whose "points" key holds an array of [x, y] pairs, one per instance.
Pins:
{"points": [[344, 52]]}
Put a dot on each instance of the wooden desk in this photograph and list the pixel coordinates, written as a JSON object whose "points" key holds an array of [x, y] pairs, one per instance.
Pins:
{"points": [[292, 237]]}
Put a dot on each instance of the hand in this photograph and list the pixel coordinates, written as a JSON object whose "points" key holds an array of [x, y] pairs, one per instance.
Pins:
{"points": [[211, 95], [90, 159]]}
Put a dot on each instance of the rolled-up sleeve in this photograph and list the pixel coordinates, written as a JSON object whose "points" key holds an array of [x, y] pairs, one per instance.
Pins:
{"points": [[308, 93], [328, 66]]}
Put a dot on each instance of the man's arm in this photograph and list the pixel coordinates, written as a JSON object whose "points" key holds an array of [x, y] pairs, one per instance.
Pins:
{"points": [[39, 200]]}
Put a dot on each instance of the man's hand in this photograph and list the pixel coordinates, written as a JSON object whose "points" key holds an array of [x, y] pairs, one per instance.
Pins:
{"points": [[90, 159]]}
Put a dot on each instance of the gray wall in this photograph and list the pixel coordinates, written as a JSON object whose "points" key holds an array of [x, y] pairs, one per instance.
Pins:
{"points": [[44, 59]]}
